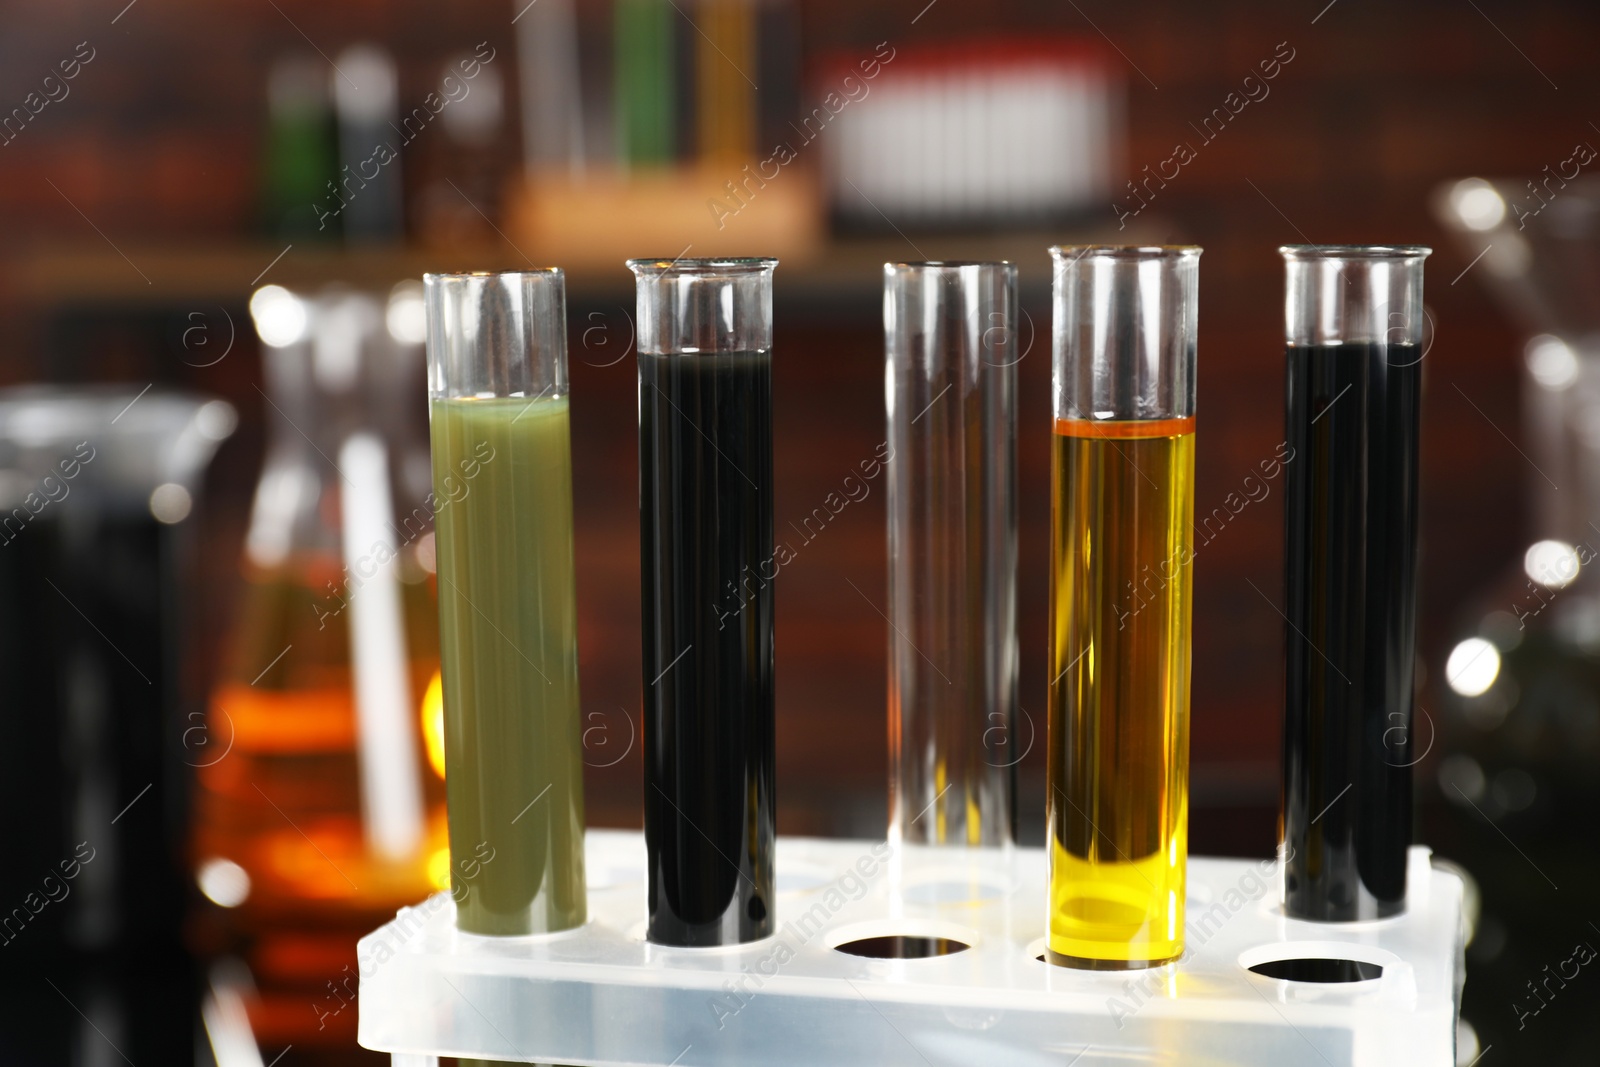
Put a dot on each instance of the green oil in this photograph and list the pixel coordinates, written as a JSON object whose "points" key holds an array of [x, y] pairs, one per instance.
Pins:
{"points": [[502, 476]]}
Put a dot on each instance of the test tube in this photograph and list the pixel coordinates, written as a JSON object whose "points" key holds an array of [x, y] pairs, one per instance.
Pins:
{"points": [[508, 642], [950, 332], [1122, 505], [1353, 317], [707, 566]]}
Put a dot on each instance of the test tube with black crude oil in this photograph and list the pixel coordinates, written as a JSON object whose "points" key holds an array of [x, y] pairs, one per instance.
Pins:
{"points": [[706, 563], [1354, 321]]}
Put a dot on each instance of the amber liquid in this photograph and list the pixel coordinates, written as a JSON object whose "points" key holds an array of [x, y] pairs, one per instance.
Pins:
{"points": [[1119, 703], [277, 756]]}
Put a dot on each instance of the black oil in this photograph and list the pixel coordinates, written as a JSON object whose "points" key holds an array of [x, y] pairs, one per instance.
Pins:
{"points": [[1350, 528], [707, 568], [1320, 970], [902, 947]]}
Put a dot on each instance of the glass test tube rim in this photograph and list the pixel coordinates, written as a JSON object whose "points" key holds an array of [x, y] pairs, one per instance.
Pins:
{"points": [[1314, 316], [462, 287], [1298, 253], [1072, 253], [458, 276], [945, 265], [709, 266]]}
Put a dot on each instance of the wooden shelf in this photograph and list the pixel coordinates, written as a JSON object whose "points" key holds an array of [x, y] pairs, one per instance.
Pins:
{"points": [[56, 277]]}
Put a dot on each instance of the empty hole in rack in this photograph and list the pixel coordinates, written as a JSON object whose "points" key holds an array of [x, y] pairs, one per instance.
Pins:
{"points": [[902, 947], [1319, 969], [902, 939], [1309, 964]]}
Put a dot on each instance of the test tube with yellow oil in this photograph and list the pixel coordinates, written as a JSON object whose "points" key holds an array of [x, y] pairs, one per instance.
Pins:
{"points": [[1122, 504]]}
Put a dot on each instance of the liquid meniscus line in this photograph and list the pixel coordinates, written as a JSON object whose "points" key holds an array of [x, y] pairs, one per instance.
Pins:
{"points": [[1125, 428]]}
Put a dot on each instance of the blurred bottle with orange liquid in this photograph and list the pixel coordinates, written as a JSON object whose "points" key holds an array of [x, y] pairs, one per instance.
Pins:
{"points": [[320, 762]]}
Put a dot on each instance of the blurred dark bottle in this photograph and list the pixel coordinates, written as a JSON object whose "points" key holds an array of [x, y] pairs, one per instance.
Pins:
{"points": [[1517, 739], [1521, 731], [299, 158], [1520, 734], [321, 802], [366, 194], [461, 165], [97, 490]]}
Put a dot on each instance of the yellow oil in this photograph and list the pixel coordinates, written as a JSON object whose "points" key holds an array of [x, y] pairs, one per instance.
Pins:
{"points": [[1121, 514]]}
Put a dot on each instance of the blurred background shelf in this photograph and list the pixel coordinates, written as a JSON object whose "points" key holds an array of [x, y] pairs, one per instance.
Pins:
{"points": [[841, 275]]}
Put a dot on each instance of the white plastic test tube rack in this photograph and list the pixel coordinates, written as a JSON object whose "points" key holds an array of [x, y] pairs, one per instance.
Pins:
{"points": [[602, 995]]}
